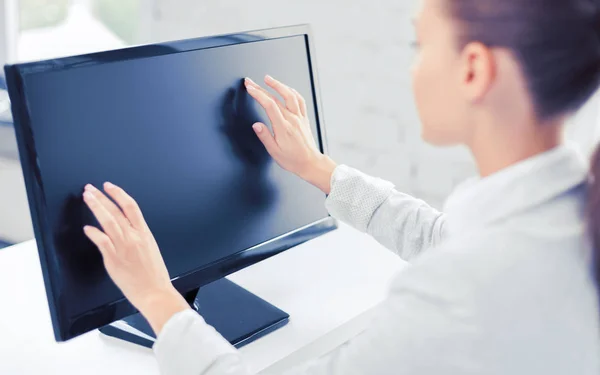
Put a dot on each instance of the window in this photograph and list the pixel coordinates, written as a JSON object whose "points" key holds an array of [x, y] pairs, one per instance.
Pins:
{"points": [[53, 28]]}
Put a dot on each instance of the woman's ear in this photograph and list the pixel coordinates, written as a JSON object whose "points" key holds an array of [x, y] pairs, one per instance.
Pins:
{"points": [[478, 70]]}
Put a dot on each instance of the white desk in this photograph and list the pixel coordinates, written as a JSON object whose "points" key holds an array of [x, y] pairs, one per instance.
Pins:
{"points": [[329, 286]]}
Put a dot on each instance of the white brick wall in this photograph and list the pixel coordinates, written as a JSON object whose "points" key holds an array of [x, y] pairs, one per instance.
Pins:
{"points": [[363, 59]]}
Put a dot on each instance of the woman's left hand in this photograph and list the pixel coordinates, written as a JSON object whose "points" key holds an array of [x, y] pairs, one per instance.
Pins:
{"points": [[131, 255]]}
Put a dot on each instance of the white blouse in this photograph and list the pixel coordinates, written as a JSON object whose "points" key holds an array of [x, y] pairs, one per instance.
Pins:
{"points": [[501, 283]]}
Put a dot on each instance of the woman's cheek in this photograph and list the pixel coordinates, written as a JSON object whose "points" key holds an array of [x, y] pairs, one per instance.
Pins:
{"points": [[420, 91]]}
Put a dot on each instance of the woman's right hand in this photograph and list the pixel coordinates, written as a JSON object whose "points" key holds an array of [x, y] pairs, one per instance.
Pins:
{"points": [[292, 144]]}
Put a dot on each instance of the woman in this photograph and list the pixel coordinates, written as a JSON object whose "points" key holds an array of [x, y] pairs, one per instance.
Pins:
{"points": [[503, 282]]}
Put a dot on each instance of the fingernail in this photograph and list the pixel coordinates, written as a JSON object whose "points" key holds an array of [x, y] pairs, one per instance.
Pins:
{"points": [[269, 78], [88, 195], [248, 81], [90, 187], [251, 88], [108, 185], [86, 228], [257, 128]]}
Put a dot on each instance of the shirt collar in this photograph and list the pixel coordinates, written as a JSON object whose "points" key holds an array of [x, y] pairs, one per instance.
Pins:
{"points": [[481, 201]]}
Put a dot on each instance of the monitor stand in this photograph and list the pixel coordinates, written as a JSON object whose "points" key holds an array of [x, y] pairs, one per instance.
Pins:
{"points": [[240, 316]]}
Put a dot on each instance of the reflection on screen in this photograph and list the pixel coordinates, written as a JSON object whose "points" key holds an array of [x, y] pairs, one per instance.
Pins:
{"points": [[175, 132]]}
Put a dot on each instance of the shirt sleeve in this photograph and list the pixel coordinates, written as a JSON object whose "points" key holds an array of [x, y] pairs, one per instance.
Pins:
{"points": [[403, 224], [417, 330], [188, 345]]}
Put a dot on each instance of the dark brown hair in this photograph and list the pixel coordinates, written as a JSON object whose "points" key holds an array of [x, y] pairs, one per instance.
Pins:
{"points": [[557, 43]]}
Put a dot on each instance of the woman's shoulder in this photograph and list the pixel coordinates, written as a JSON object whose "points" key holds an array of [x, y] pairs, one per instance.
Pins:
{"points": [[500, 254], [489, 271], [506, 298]]}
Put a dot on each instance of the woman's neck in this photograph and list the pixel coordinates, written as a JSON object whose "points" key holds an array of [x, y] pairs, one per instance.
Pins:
{"points": [[497, 147]]}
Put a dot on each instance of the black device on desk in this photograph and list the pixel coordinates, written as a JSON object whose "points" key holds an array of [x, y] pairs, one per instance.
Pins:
{"points": [[171, 124]]}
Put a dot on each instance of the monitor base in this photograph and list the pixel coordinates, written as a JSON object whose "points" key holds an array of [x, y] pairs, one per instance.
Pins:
{"points": [[240, 316]]}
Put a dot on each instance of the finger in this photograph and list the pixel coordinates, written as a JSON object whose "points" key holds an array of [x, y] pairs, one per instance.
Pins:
{"points": [[272, 108], [250, 83], [287, 114], [266, 138], [291, 101], [114, 210], [301, 103], [105, 218], [101, 240], [129, 206]]}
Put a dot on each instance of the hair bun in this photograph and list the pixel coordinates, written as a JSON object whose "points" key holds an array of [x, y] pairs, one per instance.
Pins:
{"points": [[596, 21]]}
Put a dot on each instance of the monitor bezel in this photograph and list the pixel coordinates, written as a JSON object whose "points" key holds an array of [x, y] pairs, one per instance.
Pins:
{"points": [[67, 327]]}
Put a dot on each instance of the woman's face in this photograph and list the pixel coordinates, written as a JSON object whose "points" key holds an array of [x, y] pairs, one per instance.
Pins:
{"points": [[438, 77]]}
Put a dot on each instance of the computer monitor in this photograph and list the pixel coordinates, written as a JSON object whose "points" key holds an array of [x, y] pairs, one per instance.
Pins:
{"points": [[171, 124]]}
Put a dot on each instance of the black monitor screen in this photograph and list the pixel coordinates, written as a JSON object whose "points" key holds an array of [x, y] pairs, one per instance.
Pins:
{"points": [[174, 131]]}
